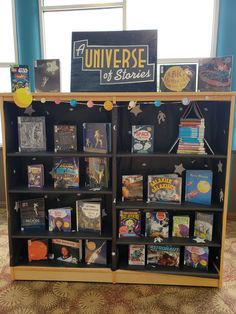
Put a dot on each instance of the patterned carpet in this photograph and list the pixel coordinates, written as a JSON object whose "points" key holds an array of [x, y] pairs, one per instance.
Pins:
{"points": [[86, 298]]}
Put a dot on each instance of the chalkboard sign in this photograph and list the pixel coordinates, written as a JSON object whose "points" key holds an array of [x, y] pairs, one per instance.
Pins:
{"points": [[114, 61]]}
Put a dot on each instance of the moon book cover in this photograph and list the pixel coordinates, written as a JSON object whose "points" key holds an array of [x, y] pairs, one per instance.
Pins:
{"points": [[198, 188], [142, 139]]}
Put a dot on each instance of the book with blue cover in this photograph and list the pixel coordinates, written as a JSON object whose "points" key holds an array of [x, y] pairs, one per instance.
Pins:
{"points": [[142, 139], [19, 77], [198, 187], [97, 137]]}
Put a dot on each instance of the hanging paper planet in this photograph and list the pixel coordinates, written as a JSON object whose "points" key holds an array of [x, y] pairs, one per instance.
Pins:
{"points": [[73, 103], [23, 97], [43, 100], [90, 104], [157, 103], [185, 101], [108, 105], [57, 101]]}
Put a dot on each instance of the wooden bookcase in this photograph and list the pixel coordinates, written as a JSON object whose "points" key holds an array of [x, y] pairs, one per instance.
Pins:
{"points": [[218, 110]]}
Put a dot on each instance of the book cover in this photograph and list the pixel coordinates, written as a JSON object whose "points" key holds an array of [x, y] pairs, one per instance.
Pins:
{"points": [[132, 188], [157, 224], [196, 257], [164, 188], [65, 138], [181, 226], [203, 225], [88, 214], [97, 173], [97, 137], [47, 75], [130, 223], [142, 139], [136, 254], [32, 214], [215, 74], [67, 251], [31, 134], [66, 173], [19, 77], [178, 77], [37, 249], [59, 219], [198, 188], [96, 252], [35, 176], [163, 255]]}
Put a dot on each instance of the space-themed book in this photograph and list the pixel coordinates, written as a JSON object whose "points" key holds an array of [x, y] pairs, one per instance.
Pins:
{"points": [[178, 77], [158, 255], [203, 225], [130, 223], [132, 187], [65, 138], [59, 219], [32, 214], [35, 176], [47, 75], [164, 188], [198, 188], [142, 139], [136, 254], [157, 224], [88, 214], [96, 252], [66, 173], [181, 226], [97, 173], [19, 77], [97, 137], [196, 257], [67, 251], [37, 249]]}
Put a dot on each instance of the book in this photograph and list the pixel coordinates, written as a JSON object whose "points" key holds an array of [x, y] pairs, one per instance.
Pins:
{"points": [[203, 225], [66, 173], [65, 138], [88, 215], [97, 173], [19, 77], [158, 255], [97, 137], [35, 176], [196, 257], [31, 134], [136, 254], [96, 252], [67, 251], [130, 223], [181, 226], [59, 219], [142, 139], [32, 214], [37, 249], [215, 74], [198, 187], [164, 188], [47, 75], [178, 77], [157, 224], [132, 188]]}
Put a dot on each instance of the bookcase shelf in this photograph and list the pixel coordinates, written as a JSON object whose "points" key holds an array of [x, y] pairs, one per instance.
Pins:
{"points": [[218, 109]]}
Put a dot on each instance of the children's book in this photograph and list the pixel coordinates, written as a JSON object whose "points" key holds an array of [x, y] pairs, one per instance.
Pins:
{"points": [[196, 257], [178, 77], [159, 255], [203, 225], [47, 75], [164, 188], [67, 251], [66, 173], [132, 188], [88, 215], [59, 219], [97, 137], [142, 139], [65, 138], [96, 252], [19, 77], [181, 226], [198, 188], [157, 224], [136, 254], [35, 176], [32, 214], [130, 223], [37, 249], [97, 173]]}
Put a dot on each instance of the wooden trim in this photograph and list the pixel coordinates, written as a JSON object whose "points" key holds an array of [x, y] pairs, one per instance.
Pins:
{"points": [[231, 216]]}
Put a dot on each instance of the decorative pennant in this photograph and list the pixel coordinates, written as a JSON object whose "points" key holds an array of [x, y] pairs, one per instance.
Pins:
{"points": [[161, 117], [179, 169], [136, 110]]}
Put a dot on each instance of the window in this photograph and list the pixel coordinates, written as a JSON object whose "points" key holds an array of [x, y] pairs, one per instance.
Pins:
{"points": [[186, 28]]}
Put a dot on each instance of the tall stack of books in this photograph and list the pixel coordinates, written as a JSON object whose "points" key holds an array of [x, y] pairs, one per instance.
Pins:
{"points": [[191, 136]]}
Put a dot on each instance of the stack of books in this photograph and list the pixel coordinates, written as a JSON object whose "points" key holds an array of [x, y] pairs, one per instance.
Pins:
{"points": [[191, 136]]}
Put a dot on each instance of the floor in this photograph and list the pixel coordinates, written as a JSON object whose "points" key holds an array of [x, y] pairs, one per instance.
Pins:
{"points": [[86, 298]]}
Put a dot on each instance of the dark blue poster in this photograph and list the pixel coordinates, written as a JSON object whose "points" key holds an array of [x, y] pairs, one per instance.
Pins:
{"points": [[114, 61]]}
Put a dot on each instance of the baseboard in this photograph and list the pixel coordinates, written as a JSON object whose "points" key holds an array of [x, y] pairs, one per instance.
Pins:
{"points": [[231, 216]]}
